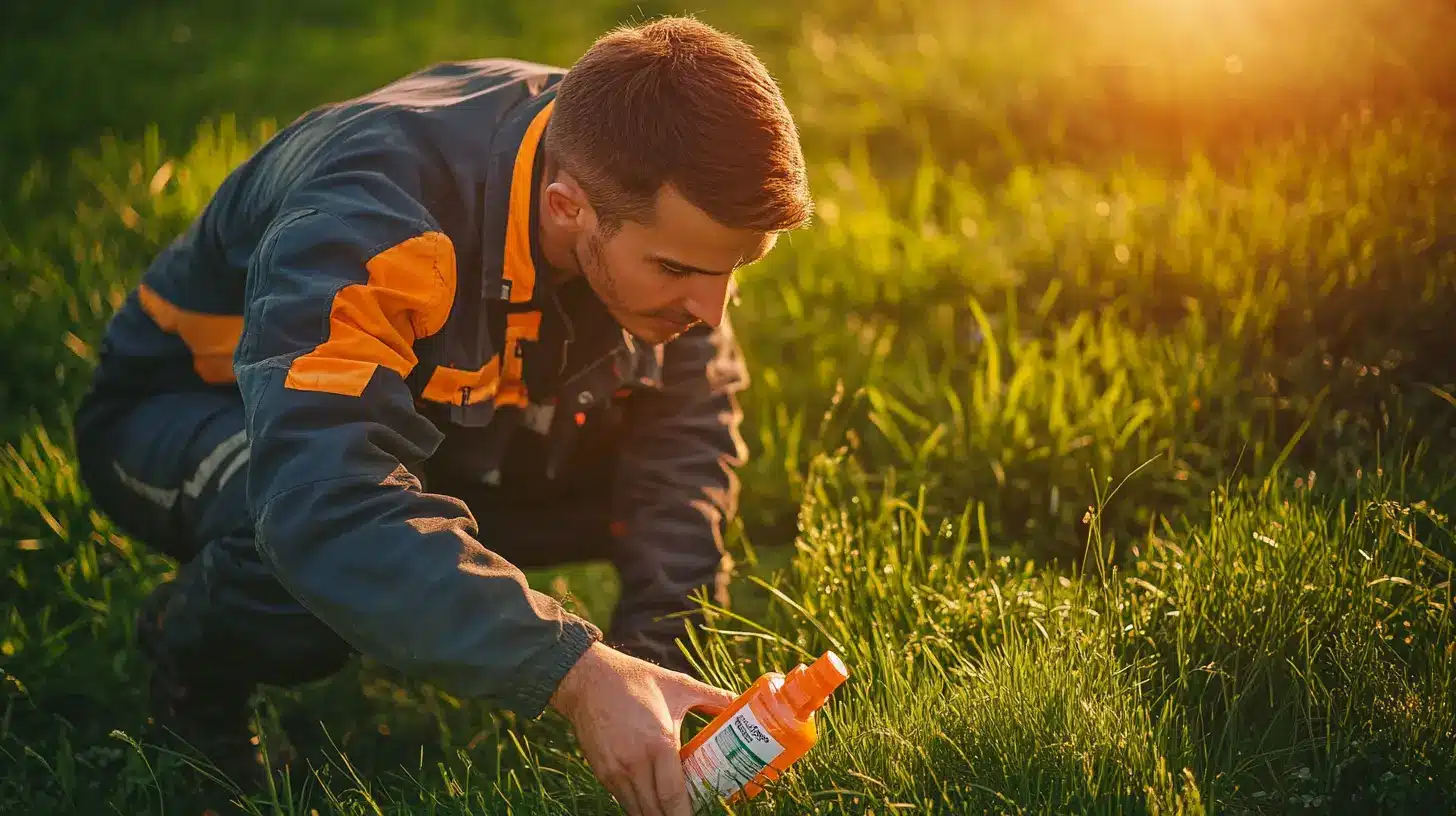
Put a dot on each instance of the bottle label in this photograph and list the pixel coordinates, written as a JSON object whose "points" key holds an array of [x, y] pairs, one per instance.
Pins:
{"points": [[730, 759]]}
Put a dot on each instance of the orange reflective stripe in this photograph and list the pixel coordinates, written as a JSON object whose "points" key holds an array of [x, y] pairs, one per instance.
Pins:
{"points": [[520, 326], [449, 384], [346, 377], [210, 338], [519, 270], [492, 380], [407, 297]]}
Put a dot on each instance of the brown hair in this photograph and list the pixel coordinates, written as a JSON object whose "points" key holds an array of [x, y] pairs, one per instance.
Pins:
{"points": [[677, 102]]}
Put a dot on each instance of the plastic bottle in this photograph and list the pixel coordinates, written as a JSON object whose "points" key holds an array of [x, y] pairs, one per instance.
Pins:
{"points": [[764, 731]]}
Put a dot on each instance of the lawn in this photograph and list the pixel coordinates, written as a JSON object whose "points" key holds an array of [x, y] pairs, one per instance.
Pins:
{"points": [[1102, 421]]}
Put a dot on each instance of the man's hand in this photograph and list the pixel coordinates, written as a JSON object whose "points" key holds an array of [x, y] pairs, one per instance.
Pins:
{"points": [[627, 715]]}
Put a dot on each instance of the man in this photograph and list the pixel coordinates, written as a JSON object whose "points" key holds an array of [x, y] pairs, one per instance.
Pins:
{"points": [[468, 323]]}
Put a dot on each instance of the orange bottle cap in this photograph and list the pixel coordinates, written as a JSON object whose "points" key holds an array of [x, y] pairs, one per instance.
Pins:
{"points": [[808, 687]]}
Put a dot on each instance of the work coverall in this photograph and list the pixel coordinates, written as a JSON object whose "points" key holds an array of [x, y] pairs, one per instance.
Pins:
{"points": [[351, 402]]}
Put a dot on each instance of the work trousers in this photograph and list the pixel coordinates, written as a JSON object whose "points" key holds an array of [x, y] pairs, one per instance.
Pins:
{"points": [[170, 470]]}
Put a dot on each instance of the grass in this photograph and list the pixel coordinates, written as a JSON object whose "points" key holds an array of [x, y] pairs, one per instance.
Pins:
{"points": [[1101, 421]]}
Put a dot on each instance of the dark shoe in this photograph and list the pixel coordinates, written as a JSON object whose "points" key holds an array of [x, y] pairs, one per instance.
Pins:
{"points": [[210, 717]]}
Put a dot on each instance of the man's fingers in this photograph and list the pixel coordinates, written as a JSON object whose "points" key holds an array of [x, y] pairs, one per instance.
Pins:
{"points": [[716, 698], [622, 788], [617, 779], [671, 782], [645, 789], [702, 697]]}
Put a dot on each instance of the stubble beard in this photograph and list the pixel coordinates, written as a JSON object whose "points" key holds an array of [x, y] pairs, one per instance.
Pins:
{"points": [[598, 273], [594, 268]]}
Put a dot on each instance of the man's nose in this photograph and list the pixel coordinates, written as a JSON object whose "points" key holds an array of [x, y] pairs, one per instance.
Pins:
{"points": [[708, 298]]}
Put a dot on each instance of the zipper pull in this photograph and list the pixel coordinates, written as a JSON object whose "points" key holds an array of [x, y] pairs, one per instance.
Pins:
{"points": [[457, 412]]}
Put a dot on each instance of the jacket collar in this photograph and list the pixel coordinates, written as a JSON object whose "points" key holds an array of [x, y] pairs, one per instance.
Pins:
{"points": [[514, 268], [510, 247]]}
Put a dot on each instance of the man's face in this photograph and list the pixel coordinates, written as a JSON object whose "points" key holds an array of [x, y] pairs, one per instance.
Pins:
{"points": [[659, 280]]}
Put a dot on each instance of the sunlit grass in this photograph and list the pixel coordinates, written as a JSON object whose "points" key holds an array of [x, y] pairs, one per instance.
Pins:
{"points": [[1113, 462]]}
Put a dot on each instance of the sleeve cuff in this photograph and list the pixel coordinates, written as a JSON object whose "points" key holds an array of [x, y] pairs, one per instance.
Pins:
{"points": [[544, 673]]}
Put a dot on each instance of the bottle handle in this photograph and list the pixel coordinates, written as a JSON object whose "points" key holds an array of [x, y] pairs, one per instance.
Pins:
{"points": [[713, 710]]}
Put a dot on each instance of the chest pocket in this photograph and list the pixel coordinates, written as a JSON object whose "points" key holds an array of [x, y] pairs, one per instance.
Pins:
{"points": [[463, 396], [474, 395]]}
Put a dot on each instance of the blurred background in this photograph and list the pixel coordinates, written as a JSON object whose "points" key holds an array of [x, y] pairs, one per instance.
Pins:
{"points": [[1067, 76], [1275, 170], [1061, 247]]}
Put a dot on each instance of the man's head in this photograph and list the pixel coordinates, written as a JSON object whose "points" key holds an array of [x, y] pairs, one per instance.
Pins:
{"points": [[673, 161]]}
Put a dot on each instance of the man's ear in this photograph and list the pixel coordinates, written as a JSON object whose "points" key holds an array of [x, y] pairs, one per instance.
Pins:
{"points": [[567, 205]]}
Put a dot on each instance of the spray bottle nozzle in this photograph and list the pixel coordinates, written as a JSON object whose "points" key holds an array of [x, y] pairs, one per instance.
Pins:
{"points": [[808, 687]]}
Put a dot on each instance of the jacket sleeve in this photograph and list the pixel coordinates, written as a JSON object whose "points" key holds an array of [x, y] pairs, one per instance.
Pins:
{"points": [[677, 489], [339, 290]]}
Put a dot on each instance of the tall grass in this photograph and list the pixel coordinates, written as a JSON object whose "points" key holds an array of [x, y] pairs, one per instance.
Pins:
{"points": [[1106, 441], [1291, 653]]}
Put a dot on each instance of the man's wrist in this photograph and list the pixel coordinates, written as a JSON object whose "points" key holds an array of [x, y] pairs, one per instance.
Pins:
{"points": [[568, 691], [538, 680]]}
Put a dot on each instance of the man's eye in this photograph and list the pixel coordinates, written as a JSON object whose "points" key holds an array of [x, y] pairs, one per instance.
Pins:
{"points": [[674, 271]]}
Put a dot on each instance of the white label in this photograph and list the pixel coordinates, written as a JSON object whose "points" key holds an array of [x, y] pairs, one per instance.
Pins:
{"points": [[730, 759]]}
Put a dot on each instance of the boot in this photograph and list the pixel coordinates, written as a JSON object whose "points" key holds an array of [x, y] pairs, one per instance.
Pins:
{"points": [[209, 716]]}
